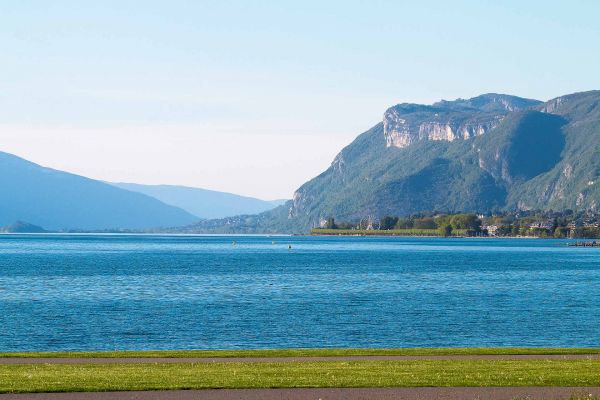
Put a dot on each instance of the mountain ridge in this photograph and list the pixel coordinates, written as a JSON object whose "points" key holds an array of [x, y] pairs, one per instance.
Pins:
{"points": [[490, 152], [203, 203], [58, 200]]}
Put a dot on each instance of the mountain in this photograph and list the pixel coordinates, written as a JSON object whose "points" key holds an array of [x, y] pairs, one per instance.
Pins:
{"points": [[22, 227], [203, 203], [58, 200], [491, 152]]}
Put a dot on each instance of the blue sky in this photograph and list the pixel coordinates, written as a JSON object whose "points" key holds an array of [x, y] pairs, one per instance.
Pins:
{"points": [[256, 97]]}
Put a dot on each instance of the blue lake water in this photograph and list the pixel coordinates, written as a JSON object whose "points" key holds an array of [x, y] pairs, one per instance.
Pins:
{"points": [[104, 292]]}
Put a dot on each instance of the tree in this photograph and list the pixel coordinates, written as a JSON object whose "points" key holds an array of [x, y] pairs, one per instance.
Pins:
{"points": [[388, 222], [425, 223], [466, 221], [446, 230], [561, 232], [504, 230], [404, 223], [516, 230], [330, 224]]}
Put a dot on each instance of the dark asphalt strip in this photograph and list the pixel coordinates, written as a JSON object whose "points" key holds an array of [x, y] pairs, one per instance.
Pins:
{"points": [[429, 393]]}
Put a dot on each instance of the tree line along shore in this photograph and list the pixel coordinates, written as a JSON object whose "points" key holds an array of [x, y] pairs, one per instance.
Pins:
{"points": [[539, 224]]}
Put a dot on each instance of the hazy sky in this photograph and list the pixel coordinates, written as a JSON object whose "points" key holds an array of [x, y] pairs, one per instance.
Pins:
{"points": [[256, 97]]}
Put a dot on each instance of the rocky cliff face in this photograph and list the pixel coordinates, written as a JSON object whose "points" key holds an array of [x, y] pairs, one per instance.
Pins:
{"points": [[398, 132], [405, 124]]}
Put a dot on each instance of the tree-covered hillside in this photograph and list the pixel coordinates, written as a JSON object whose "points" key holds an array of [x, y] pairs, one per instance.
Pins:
{"points": [[492, 152]]}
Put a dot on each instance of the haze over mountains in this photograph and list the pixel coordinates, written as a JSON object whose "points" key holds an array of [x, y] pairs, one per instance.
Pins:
{"points": [[491, 152], [203, 203], [36, 198], [57, 200]]}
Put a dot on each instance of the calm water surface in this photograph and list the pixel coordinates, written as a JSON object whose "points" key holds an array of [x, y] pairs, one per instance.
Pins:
{"points": [[80, 292]]}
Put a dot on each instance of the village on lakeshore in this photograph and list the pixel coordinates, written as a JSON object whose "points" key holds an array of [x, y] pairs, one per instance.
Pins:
{"points": [[541, 224]]}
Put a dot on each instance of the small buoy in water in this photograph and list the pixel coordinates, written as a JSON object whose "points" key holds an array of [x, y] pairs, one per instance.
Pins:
{"points": [[290, 246]]}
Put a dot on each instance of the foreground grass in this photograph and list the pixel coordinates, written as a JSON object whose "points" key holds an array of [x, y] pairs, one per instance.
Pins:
{"points": [[104, 377], [311, 352]]}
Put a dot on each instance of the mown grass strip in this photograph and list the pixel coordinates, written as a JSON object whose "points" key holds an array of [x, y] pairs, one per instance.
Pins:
{"points": [[311, 352], [106, 377]]}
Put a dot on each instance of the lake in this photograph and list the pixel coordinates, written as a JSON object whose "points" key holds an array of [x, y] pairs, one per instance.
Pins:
{"points": [[106, 292]]}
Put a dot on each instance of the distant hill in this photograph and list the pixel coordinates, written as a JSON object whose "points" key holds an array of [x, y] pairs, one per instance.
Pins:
{"points": [[22, 227], [203, 203], [59, 200], [491, 152], [278, 202]]}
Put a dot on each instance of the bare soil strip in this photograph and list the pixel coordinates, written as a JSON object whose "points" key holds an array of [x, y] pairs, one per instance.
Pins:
{"points": [[175, 360], [429, 393]]}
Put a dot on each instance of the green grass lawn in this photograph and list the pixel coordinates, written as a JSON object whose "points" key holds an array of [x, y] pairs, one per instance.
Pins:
{"points": [[313, 352], [104, 377]]}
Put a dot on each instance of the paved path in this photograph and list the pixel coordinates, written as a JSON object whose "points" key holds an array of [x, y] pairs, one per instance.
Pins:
{"points": [[135, 360], [429, 393]]}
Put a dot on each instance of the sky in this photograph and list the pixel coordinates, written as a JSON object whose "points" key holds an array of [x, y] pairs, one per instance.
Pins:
{"points": [[257, 97]]}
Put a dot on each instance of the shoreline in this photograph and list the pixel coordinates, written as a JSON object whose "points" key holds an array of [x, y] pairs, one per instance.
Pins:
{"points": [[440, 237], [106, 234], [309, 352]]}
